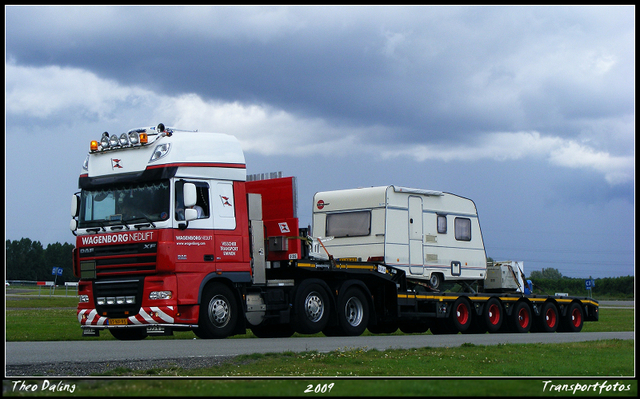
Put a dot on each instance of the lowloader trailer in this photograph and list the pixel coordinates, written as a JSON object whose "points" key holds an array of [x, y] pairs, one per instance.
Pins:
{"points": [[171, 234]]}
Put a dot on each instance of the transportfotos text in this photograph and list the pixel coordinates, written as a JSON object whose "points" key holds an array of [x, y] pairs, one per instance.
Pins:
{"points": [[598, 387]]}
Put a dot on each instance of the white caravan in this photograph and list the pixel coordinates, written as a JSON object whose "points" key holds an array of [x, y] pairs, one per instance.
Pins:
{"points": [[431, 235]]}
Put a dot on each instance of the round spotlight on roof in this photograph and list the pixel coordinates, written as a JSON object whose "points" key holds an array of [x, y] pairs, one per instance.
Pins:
{"points": [[133, 138], [113, 141], [124, 139], [104, 141]]}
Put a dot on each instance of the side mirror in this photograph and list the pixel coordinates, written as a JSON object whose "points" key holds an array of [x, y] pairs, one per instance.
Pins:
{"points": [[189, 194], [190, 214], [75, 206]]}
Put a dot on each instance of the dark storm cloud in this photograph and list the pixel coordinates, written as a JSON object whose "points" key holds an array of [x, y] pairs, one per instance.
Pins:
{"points": [[429, 73]]}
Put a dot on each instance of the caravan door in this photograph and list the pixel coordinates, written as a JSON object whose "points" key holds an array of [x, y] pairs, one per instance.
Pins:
{"points": [[416, 257]]}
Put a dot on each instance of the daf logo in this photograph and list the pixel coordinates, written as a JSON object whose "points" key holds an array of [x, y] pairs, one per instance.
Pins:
{"points": [[86, 250]]}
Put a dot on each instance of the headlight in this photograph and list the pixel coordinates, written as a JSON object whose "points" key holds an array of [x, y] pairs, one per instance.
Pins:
{"points": [[160, 151], [83, 298], [160, 295]]}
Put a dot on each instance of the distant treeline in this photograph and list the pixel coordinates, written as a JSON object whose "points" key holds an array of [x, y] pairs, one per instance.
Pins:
{"points": [[29, 260], [610, 287], [550, 281]]}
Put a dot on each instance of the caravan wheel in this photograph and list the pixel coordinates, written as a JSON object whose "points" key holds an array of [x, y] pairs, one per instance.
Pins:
{"points": [[435, 281]]}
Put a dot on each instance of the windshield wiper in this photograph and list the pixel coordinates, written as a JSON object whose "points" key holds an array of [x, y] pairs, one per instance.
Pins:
{"points": [[96, 229], [139, 226]]}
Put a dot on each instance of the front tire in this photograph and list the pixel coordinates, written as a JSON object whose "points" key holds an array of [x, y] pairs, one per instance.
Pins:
{"points": [[219, 313]]}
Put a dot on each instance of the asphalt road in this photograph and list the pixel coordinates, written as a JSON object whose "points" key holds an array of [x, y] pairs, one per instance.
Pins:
{"points": [[31, 353]]}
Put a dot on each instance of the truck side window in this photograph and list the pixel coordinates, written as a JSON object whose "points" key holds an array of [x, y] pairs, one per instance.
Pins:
{"points": [[462, 228], [442, 224], [349, 224], [202, 204]]}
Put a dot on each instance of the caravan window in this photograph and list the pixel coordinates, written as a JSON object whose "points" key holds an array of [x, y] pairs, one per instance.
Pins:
{"points": [[442, 224], [349, 224], [462, 228]]}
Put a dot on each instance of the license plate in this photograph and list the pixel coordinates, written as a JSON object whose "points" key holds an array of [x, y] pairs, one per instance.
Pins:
{"points": [[118, 322]]}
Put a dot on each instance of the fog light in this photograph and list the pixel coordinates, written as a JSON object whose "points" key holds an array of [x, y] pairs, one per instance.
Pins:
{"points": [[130, 300], [100, 301], [111, 300], [120, 300]]}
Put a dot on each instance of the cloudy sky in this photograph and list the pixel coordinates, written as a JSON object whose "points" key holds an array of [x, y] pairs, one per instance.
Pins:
{"points": [[529, 111]]}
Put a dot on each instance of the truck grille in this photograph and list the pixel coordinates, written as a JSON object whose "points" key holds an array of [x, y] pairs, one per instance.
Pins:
{"points": [[118, 298], [121, 260]]}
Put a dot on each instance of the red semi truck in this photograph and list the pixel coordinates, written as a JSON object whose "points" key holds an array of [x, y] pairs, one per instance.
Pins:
{"points": [[171, 234]]}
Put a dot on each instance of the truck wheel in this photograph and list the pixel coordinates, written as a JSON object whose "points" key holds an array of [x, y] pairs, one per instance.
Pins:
{"points": [[218, 312], [548, 320], [461, 315], [129, 334], [311, 309], [353, 315], [353, 312], [521, 317], [493, 315], [273, 331], [573, 320], [435, 281]]}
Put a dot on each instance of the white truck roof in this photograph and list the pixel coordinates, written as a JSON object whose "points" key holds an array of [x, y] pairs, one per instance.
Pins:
{"points": [[192, 152]]}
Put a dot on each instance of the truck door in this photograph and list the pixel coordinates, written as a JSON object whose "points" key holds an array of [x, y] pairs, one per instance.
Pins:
{"points": [[416, 258]]}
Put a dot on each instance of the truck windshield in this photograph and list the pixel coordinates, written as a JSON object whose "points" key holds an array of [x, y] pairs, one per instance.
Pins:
{"points": [[129, 203]]}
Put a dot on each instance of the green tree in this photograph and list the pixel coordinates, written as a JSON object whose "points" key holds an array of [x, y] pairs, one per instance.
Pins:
{"points": [[546, 273]]}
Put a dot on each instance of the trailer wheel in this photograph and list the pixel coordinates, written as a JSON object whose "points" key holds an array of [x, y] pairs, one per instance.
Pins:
{"points": [[493, 315], [461, 315], [435, 281], [573, 320], [548, 320], [311, 309], [128, 334], [218, 312], [353, 315], [521, 317]]}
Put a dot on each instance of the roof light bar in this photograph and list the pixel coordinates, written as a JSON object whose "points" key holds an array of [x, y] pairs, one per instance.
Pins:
{"points": [[133, 138]]}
